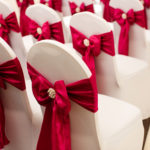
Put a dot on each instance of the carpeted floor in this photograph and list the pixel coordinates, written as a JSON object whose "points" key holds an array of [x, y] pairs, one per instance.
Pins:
{"points": [[146, 127]]}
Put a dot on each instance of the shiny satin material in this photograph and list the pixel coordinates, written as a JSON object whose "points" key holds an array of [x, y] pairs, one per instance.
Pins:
{"points": [[24, 20], [48, 31], [8, 24], [102, 42], [11, 73], [107, 13], [82, 7], [132, 17], [55, 4], [55, 131], [147, 3]]}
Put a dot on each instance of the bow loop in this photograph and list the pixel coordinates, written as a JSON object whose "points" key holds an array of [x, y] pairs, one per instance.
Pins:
{"points": [[82, 7]]}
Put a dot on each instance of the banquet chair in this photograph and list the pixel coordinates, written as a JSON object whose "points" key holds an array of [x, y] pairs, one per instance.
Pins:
{"points": [[118, 76], [15, 101], [18, 47], [105, 130], [137, 41], [37, 13]]}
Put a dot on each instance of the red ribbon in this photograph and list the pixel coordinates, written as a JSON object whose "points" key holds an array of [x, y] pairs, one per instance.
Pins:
{"points": [[107, 13], [131, 18], [8, 24], [24, 20], [47, 31], [11, 73], [82, 7], [104, 42], [55, 131], [55, 4]]}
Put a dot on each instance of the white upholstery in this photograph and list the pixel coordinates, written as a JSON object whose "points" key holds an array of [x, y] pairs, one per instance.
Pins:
{"points": [[103, 129], [121, 70]]}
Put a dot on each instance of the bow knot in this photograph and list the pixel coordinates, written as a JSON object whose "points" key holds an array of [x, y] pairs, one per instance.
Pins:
{"points": [[47, 31], [122, 17], [39, 32]]}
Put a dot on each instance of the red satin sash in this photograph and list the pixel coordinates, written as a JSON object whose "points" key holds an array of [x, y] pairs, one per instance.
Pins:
{"points": [[47, 31], [55, 4], [24, 20], [75, 8], [8, 24], [125, 20], [55, 131]]}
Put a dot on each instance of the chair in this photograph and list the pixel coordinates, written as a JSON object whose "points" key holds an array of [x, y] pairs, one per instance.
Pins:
{"points": [[117, 75], [103, 129]]}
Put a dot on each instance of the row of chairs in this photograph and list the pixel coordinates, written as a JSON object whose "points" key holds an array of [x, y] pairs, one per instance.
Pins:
{"points": [[118, 76]]}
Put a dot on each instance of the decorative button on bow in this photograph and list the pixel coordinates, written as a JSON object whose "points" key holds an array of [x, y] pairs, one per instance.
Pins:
{"points": [[125, 20], [55, 131], [8, 24], [47, 31], [76, 9]]}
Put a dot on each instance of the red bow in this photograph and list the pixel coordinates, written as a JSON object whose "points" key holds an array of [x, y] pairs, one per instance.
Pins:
{"points": [[55, 4], [7, 24], [75, 9], [24, 20], [125, 20], [55, 132], [47, 31], [91, 47], [11, 73]]}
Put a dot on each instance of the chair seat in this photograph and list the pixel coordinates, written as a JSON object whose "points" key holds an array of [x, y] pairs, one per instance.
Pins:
{"points": [[127, 67], [119, 120]]}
